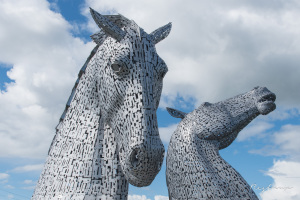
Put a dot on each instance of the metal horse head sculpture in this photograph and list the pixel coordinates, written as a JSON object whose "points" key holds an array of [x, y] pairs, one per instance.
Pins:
{"points": [[108, 134], [195, 169]]}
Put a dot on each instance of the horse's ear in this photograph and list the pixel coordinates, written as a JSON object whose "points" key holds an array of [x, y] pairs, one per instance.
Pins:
{"points": [[107, 26], [176, 113], [161, 33], [99, 37]]}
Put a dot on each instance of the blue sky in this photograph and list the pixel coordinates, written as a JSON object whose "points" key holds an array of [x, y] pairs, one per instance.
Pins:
{"points": [[215, 50]]}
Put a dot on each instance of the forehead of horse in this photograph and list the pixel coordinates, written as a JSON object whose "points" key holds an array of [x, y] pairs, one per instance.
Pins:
{"points": [[139, 39], [140, 49], [211, 110]]}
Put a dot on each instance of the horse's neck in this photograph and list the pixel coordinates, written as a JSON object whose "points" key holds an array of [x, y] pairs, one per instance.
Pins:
{"points": [[67, 171], [221, 173], [203, 170], [82, 161]]}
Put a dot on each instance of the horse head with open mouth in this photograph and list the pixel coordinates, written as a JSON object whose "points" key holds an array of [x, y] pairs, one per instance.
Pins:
{"points": [[195, 169]]}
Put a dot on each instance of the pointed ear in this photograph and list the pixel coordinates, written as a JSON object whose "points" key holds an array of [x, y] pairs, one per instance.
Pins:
{"points": [[107, 26], [176, 113], [99, 37], [161, 33]]}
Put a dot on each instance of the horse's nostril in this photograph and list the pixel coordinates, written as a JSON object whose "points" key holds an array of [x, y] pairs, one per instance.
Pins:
{"points": [[134, 158]]}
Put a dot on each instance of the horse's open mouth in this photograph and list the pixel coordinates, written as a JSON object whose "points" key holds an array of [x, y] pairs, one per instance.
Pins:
{"points": [[267, 98], [266, 104]]}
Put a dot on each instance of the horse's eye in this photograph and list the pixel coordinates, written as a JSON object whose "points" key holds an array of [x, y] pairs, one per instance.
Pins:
{"points": [[117, 68], [120, 69]]}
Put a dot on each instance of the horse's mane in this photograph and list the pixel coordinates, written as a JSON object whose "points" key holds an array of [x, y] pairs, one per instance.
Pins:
{"points": [[98, 38], [82, 71]]}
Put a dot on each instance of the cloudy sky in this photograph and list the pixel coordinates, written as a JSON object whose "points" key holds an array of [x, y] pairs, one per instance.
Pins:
{"points": [[216, 49]]}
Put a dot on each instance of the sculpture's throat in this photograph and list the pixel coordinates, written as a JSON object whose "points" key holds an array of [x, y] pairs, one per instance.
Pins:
{"points": [[207, 169], [237, 123], [220, 174]]}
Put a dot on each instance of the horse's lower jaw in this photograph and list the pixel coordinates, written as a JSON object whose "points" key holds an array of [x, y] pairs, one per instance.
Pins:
{"points": [[140, 182], [265, 104], [139, 178], [140, 175], [265, 108]]}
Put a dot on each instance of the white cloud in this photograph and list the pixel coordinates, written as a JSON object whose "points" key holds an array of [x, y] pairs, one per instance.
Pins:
{"points": [[29, 187], [160, 197], [287, 140], [28, 168], [9, 187], [283, 113], [255, 129], [46, 59], [28, 181], [284, 142], [4, 176], [137, 197], [285, 173], [286, 176], [166, 132]]}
